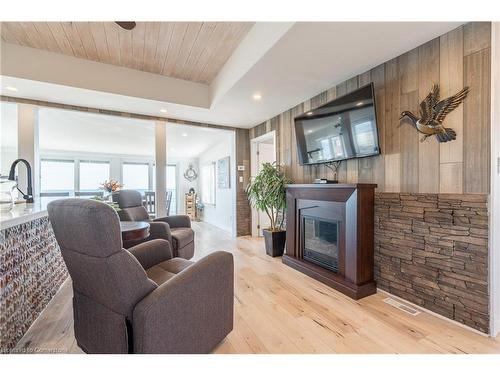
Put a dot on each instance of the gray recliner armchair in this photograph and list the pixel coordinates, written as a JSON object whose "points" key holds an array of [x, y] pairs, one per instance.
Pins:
{"points": [[142, 300], [175, 229]]}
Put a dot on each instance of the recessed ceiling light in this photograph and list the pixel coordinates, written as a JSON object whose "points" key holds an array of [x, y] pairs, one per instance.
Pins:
{"points": [[257, 96], [10, 88], [309, 113], [163, 110], [184, 134], [360, 103]]}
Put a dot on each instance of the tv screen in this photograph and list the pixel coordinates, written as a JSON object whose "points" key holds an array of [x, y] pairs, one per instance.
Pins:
{"points": [[344, 128]]}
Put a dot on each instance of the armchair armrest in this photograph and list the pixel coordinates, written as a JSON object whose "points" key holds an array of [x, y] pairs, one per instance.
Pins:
{"points": [[159, 230], [176, 221], [190, 313], [151, 252]]}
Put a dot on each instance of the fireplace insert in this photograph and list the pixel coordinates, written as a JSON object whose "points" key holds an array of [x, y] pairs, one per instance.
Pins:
{"points": [[320, 241]]}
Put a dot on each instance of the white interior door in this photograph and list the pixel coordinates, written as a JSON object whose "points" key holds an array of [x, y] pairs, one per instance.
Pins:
{"points": [[265, 154]]}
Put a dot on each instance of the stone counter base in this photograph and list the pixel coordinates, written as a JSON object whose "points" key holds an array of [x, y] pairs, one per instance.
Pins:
{"points": [[432, 250], [31, 272]]}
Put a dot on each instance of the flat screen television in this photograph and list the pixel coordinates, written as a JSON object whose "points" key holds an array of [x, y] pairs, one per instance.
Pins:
{"points": [[342, 129]]}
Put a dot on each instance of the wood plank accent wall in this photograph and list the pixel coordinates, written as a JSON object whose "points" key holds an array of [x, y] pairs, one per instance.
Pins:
{"points": [[456, 59]]}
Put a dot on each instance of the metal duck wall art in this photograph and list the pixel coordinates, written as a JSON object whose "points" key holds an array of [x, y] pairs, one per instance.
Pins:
{"points": [[432, 114]]}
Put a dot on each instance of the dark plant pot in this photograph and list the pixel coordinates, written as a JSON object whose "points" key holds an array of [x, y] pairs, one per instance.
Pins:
{"points": [[275, 242]]}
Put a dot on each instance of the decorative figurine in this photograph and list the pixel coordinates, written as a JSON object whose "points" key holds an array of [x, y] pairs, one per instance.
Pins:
{"points": [[433, 113], [190, 174]]}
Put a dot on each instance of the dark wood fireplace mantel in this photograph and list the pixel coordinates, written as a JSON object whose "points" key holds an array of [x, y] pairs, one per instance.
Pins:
{"points": [[344, 213]]}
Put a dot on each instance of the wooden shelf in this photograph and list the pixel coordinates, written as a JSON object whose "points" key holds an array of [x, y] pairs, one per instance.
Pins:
{"points": [[190, 205]]}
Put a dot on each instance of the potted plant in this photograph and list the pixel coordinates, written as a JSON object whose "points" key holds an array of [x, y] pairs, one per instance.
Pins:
{"points": [[266, 192], [111, 204]]}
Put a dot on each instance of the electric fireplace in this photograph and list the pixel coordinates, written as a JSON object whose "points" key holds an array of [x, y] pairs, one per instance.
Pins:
{"points": [[330, 235]]}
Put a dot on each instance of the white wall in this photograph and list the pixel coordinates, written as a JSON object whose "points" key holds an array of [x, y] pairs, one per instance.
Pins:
{"points": [[184, 185], [222, 213]]}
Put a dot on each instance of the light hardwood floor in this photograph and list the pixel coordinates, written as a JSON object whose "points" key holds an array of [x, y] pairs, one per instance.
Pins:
{"points": [[272, 316]]}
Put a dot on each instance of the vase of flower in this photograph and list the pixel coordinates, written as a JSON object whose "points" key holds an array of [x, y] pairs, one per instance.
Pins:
{"points": [[109, 188]]}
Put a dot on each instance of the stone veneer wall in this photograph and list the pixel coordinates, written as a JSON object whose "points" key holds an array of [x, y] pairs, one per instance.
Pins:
{"points": [[432, 250], [243, 210], [31, 271]]}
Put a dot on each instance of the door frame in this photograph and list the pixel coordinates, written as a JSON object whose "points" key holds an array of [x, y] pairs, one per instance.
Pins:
{"points": [[253, 168]]}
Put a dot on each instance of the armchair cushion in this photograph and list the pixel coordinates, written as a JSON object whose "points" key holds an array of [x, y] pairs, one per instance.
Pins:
{"points": [[176, 221], [152, 252], [164, 271]]}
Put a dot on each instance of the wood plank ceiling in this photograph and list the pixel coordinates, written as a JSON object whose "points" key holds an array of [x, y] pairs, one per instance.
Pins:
{"points": [[193, 51]]}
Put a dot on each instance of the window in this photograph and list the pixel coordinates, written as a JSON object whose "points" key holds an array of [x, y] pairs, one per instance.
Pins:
{"points": [[364, 137], [153, 168], [57, 175], [338, 147], [172, 187], [136, 176], [326, 149], [208, 184], [93, 174]]}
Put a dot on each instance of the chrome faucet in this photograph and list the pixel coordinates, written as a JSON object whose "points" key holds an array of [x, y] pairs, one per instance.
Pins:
{"points": [[12, 176]]}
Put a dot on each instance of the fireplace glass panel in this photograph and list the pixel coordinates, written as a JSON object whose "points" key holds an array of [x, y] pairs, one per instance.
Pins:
{"points": [[320, 241]]}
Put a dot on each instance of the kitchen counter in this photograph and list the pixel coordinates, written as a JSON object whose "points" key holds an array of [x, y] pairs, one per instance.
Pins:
{"points": [[24, 212]]}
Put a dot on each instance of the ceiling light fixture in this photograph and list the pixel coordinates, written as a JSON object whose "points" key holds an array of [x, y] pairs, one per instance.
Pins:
{"points": [[360, 103], [184, 134], [163, 110], [257, 96], [309, 113], [11, 88]]}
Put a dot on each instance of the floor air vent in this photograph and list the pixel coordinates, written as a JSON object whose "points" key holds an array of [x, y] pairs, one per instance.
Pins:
{"points": [[398, 305]]}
